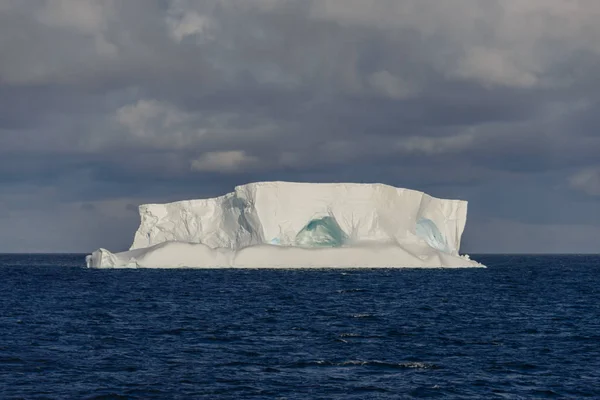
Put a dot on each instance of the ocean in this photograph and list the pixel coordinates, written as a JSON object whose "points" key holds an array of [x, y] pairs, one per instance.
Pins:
{"points": [[528, 326]]}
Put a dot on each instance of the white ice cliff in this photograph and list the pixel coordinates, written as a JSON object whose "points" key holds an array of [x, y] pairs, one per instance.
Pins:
{"points": [[298, 225]]}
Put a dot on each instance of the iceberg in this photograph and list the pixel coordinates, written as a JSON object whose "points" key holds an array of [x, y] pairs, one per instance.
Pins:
{"points": [[298, 225]]}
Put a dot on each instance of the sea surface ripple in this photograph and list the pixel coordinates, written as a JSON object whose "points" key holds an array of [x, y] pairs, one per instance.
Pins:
{"points": [[525, 327]]}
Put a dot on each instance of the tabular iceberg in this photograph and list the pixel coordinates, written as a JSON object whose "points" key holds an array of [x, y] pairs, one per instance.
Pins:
{"points": [[298, 225]]}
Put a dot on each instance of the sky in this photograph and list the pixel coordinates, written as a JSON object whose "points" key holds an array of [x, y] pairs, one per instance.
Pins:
{"points": [[108, 104]]}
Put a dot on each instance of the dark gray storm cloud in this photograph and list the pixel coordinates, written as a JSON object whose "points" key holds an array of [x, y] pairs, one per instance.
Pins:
{"points": [[106, 104]]}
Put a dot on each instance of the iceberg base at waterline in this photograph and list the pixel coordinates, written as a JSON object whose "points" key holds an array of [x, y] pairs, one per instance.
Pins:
{"points": [[298, 225], [197, 255]]}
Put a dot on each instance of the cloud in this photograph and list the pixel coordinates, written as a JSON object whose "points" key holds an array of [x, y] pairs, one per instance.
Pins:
{"points": [[435, 146], [182, 24], [88, 207], [586, 181], [83, 16], [152, 123], [390, 85], [492, 67], [150, 101], [224, 161]]}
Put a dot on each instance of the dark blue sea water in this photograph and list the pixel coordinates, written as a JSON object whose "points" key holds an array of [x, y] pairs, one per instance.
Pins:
{"points": [[526, 327]]}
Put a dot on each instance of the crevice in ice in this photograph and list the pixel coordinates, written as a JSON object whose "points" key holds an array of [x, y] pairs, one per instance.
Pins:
{"points": [[321, 232], [428, 231]]}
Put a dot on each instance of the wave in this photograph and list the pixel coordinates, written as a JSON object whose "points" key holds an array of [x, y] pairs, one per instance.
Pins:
{"points": [[365, 363]]}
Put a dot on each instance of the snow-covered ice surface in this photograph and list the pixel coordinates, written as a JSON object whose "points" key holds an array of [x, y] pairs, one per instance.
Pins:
{"points": [[298, 225]]}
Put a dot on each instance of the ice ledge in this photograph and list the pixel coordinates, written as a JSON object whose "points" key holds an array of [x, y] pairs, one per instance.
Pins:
{"points": [[195, 255]]}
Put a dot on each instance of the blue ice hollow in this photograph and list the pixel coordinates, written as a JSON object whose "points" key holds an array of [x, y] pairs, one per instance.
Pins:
{"points": [[321, 232], [428, 231]]}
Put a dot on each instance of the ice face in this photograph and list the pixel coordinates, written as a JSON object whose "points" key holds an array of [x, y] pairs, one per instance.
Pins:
{"points": [[428, 231], [275, 212], [321, 232]]}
